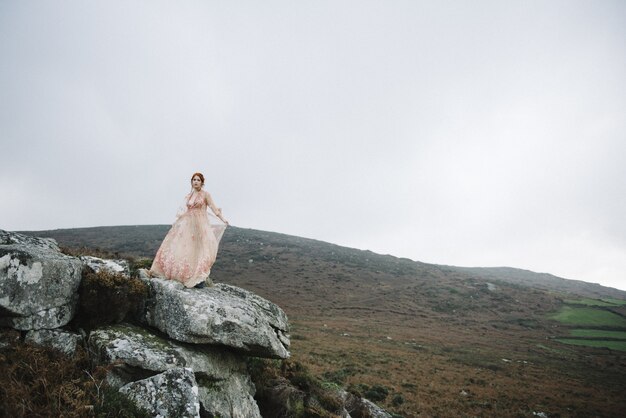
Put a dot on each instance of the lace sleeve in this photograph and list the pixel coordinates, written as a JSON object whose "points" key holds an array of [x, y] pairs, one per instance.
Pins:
{"points": [[183, 207]]}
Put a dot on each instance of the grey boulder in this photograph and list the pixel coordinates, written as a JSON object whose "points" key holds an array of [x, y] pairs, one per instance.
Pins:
{"points": [[15, 238], [173, 393], [356, 406], [219, 315], [38, 284], [113, 266], [224, 387], [63, 341]]}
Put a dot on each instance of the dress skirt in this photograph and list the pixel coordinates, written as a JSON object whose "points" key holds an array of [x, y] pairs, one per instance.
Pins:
{"points": [[189, 249]]}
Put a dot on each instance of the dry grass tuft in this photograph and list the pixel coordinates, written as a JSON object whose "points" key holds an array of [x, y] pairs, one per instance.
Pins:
{"points": [[107, 298], [41, 382], [287, 389]]}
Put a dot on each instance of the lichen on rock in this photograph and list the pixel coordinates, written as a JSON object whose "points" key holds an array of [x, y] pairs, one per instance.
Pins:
{"points": [[37, 283], [173, 393], [64, 341], [225, 388], [219, 315]]}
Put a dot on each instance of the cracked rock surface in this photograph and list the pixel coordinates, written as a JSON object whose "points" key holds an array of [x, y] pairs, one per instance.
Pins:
{"points": [[218, 315], [114, 266], [173, 393], [64, 341], [224, 386], [38, 284]]}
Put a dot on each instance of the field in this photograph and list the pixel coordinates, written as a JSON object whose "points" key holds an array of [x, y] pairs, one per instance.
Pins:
{"points": [[589, 317], [446, 371], [600, 343], [596, 302], [610, 326], [594, 333], [422, 340]]}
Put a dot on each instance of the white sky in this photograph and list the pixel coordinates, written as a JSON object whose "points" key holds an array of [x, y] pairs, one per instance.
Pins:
{"points": [[473, 133]]}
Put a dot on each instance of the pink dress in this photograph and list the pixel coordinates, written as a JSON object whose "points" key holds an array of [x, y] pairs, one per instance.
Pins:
{"points": [[190, 247]]}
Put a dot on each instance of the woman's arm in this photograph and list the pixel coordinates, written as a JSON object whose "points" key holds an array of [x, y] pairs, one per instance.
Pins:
{"points": [[217, 211]]}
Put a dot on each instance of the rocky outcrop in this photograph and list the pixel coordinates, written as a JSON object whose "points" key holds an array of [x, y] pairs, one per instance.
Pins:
{"points": [[224, 386], [114, 266], [189, 356], [63, 341], [14, 238], [358, 407], [37, 283], [218, 315], [173, 393]]}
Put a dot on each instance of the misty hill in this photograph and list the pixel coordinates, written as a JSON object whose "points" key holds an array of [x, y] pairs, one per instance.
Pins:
{"points": [[543, 281], [246, 251]]}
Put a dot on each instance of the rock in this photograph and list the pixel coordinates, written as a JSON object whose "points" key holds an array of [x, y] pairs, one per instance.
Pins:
{"points": [[220, 314], [114, 266], [373, 410], [173, 393], [64, 341], [224, 386], [37, 283], [279, 398], [14, 238], [143, 274], [230, 398], [358, 407]]}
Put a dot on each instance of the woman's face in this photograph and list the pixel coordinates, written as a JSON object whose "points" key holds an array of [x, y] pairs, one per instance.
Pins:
{"points": [[196, 182]]}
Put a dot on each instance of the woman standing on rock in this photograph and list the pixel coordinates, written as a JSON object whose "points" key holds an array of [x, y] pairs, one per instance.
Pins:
{"points": [[190, 247]]}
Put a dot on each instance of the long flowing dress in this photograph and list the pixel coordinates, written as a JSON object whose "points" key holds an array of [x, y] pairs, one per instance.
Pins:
{"points": [[189, 249]]}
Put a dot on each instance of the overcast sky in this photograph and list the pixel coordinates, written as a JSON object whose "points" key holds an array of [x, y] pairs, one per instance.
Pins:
{"points": [[470, 133]]}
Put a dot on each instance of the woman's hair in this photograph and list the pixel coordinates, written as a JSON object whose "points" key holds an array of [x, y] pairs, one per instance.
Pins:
{"points": [[199, 175]]}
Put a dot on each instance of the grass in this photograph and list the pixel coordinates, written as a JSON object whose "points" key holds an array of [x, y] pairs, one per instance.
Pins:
{"points": [[42, 382], [620, 302], [502, 376], [595, 316], [589, 317], [613, 345], [287, 388], [596, 333], [609, 302]]}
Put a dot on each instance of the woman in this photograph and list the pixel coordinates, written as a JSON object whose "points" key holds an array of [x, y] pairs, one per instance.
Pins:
{"points": [[190, 247]]}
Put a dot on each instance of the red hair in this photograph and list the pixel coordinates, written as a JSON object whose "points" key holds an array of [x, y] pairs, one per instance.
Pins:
{"points": [[199, 175]]}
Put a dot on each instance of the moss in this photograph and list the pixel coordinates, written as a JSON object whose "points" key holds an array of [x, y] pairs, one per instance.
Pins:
{"points": [[136, 264], [116, 405]]}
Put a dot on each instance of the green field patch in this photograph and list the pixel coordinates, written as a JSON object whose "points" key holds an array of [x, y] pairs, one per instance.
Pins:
{"points": [[597, 302], [619, 302], [597, 333], [613, 345], [589, 316]]}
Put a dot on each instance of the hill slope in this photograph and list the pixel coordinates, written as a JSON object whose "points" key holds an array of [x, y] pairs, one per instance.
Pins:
{"points": [[245, 251], [441, 340]]}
